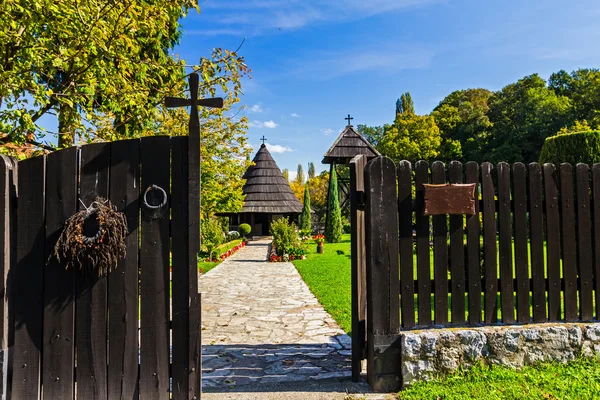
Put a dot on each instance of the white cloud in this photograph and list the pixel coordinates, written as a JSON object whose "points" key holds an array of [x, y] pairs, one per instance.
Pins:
{"points": [[327, 131], [276, 148], [257, 108], [294, 115], [259, 16], [266, 124]]}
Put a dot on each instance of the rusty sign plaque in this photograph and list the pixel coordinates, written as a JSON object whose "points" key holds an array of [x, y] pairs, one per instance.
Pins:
{"points": [[454, 199]]}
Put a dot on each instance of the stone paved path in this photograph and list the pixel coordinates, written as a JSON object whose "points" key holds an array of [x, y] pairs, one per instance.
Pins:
{"points": [[262, 325]]}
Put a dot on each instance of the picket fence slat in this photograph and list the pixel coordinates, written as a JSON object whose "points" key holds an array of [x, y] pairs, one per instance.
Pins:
{"points": [[423, 261], [154, 270], [28, 280], [569, 241], [552, 241], [596, 207], [179, 224], [536, 221], [489, 243], [457, 253], [521, 262], [584, 239], [358, 272], [58, 341], [473, 253], [407, 291], [123, 281], [505, 244], [91, 290], [440, 252]]}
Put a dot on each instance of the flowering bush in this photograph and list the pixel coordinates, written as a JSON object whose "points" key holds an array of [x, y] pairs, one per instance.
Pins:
{"points": [[319, 238], [228, 253], [294, 253]]}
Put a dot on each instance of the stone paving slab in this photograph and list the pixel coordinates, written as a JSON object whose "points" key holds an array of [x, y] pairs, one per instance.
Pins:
{"points": [[261, 325]]}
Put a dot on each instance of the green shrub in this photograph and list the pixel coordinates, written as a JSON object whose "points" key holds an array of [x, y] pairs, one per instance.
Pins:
{"points": [[347, 228], [572, 148], [284, 235], [212, 235], [333, 228], [245, 229]]}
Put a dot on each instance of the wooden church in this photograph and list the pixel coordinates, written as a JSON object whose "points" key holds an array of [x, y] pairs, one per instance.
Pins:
{"points": [[268, 196]]}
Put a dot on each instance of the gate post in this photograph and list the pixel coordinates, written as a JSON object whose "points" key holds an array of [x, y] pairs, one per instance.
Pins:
{"points": [[384, 365], [8, 193], [358, 274]]}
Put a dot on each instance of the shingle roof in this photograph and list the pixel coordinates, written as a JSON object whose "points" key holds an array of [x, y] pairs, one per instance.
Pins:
{"points": [[266, 189], [348, 145]]}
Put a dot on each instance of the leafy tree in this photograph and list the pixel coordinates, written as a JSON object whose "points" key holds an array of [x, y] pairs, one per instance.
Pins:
{"points": [[333, 228], [300, 174], [286, 173], [305, 216], [373, 134], [582, 87], [318, 187], [311, 170], [298, 189], [412, 137], [405, 105], [523, 115], [464, 125], [99, 67]]}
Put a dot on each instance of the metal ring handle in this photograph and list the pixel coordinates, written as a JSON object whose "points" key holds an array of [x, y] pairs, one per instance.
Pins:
{"points": [[161, 190]]}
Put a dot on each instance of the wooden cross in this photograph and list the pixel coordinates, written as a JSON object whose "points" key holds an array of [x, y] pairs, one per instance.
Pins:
{"points": [[349, 119], [263, 139]]}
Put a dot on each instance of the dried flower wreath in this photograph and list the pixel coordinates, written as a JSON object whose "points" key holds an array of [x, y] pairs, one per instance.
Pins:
{"points": [[93, 238]]}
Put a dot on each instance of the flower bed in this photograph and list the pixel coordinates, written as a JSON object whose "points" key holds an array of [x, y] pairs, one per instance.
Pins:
{"points": [[294, 254], [229, 252]]}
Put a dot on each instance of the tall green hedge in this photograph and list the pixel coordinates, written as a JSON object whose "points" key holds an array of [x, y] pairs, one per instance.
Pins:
{"points": [[572, 148]]}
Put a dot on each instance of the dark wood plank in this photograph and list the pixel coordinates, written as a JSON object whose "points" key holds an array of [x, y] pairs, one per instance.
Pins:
{"points": [[521, 241], [596, 208], [123, 281], [28, 279], [180, 276], [440, 252], [569, 241], [552, 241], [422, 227], [91, 291], [358, 272], [383, 311], [505, 244], [584, 241], [457, 253], [195, 322], [489, 243], [58, 342], [154, 271], [536, 231], [473, 244], [405, 223], [8, 240]]}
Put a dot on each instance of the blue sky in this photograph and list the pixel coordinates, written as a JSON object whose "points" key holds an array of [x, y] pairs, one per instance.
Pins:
{"points": [[315, 61]]}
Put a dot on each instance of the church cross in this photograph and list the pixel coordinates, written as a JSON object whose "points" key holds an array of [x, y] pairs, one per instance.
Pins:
{"points": [[349, 119], [263, 139]]}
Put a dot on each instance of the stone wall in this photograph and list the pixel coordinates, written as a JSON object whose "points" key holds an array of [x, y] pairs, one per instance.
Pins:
{"points": [[431, 353]]}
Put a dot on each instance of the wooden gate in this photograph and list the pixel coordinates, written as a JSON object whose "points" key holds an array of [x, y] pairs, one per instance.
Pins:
{"points": [[122, 336]]}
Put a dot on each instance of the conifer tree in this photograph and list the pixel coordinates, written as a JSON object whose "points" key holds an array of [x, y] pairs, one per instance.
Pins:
{"points": [[333, 229], [305, 222], [300, 174], [311, 170]]}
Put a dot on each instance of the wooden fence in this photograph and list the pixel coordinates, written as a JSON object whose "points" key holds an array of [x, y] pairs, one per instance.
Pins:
{"points": [[75, 335], [528, 255]]}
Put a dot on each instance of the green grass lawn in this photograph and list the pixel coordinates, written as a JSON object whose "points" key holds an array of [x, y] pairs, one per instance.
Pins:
{"points": [[205, 266], [579, 379], [328, 277]]}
